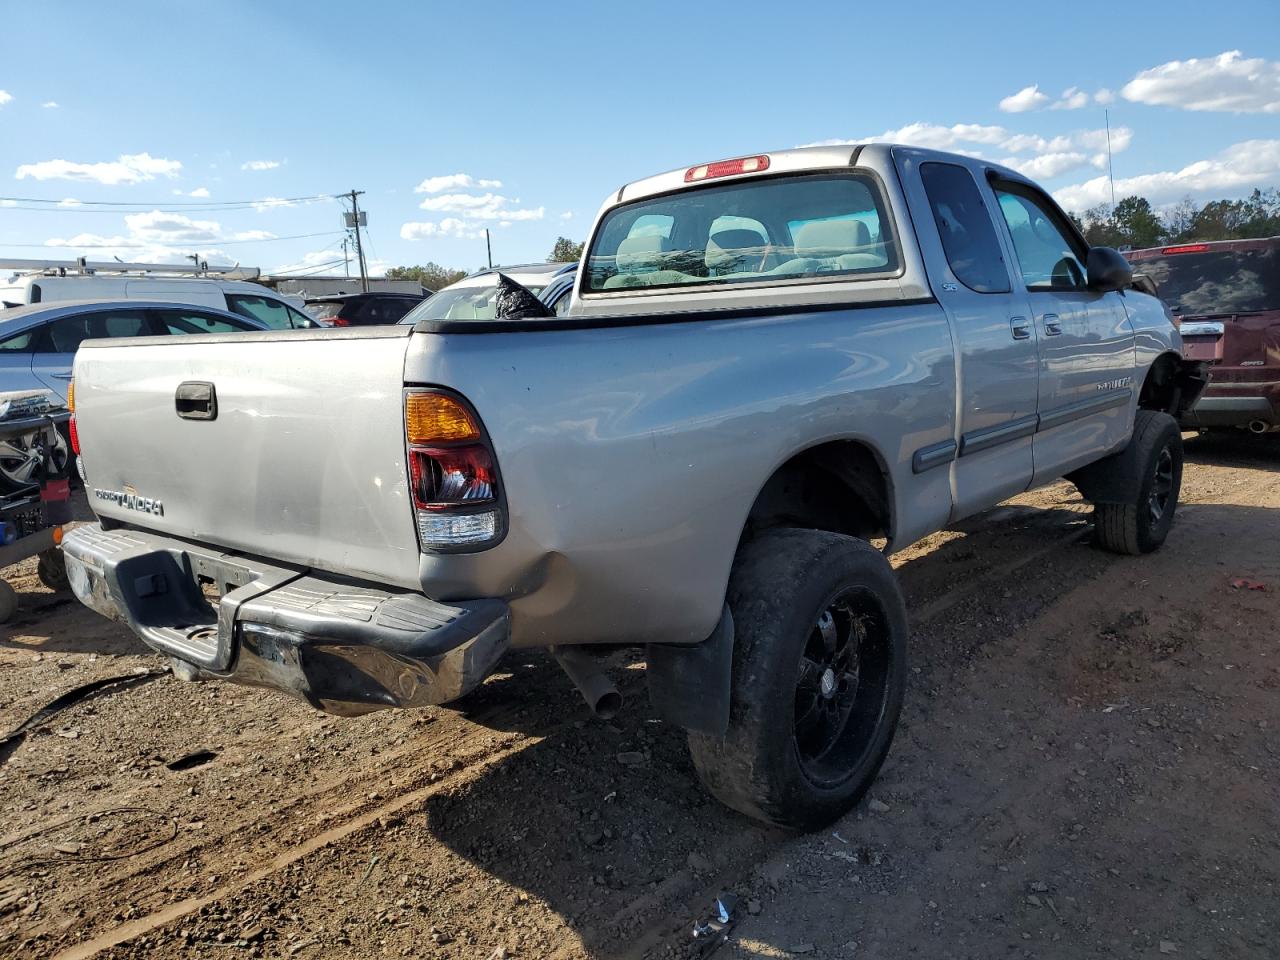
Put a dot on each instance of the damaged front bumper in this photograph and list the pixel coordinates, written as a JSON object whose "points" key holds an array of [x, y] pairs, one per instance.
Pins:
{"points": [[345, 648]]}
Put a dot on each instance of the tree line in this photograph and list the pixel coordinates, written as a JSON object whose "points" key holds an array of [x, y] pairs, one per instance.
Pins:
{"points": [[1135, 224]]}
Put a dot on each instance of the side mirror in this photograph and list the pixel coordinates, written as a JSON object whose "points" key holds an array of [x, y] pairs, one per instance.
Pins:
{"points": [[1108, 270]]}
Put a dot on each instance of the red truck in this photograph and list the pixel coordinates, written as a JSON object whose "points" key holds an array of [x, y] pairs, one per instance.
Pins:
{"points": [[1225, 296]]}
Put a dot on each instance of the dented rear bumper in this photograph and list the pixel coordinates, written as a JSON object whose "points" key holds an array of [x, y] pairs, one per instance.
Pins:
{"points": [[344, 647]]}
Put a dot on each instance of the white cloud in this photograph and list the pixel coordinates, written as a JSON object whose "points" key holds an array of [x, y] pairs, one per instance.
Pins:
{"points": [[50, 104], [245, 236], [69, 202], [1073, 98], [1028, 98], [1225, 82], [200, 192], [1239, 167], [160, 227], [129, 168], [268, 202], [455, 181], [486, 206], [1047, 165], [1104, 97], [259, 164], [448, 227], [567, 215], [1028, 152], [5, 97]]}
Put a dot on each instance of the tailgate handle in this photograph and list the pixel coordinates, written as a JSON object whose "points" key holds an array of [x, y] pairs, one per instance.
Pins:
{"points": [[196, 400]]}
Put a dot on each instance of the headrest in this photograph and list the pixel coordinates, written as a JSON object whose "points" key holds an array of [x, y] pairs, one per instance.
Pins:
{"points": [[828, 238], [640, 253], [726, 247]]}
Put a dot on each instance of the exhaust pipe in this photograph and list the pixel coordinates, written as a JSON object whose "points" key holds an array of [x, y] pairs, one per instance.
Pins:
{"points": [[592, 682], [1259, 426]]}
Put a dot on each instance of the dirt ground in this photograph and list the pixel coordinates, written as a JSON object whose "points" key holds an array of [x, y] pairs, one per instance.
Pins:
{"points": [[1087, 767]]}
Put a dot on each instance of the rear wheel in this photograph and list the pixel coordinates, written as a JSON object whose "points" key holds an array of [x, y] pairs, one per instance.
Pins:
{"points": [[818, 676], [1141, 524]]}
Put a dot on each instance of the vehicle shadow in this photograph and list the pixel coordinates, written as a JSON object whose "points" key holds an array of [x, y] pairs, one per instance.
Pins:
{"points": [[1234, 448]]}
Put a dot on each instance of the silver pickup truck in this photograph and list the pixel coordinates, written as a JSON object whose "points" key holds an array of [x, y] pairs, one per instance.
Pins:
{"points": [[775, 370]]}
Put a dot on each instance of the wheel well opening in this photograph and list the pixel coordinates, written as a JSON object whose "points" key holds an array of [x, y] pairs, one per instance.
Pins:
{"points": [[1162, 389], [839, 486]]}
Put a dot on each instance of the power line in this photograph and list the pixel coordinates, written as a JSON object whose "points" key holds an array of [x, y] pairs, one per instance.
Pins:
{"points": [[142, 246], [307, 271], [145, 206]]}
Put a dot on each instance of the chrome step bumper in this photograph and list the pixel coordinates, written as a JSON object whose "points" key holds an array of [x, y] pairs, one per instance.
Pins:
{"points": [[343, 647]]}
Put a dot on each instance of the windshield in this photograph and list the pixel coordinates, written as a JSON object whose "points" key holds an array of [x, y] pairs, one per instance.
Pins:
{"points": [[1217, 281], [461, 303], [759, 231]]}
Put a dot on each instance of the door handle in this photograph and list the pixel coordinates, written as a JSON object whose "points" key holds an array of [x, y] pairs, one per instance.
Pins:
{"points": [[196, 400], [1052, 325], [1020, 327], [60, 376]]}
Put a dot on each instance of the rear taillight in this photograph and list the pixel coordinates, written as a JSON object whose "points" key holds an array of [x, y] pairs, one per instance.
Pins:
{"points": [[452, 472], [71, 423], [340, 321]]}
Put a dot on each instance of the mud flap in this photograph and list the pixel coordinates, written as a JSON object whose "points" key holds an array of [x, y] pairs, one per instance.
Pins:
{"points": [[689, 686]]}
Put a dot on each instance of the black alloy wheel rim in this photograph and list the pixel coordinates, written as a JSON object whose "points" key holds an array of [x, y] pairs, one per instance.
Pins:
{"points": [[842, 687], [1161, 486]]}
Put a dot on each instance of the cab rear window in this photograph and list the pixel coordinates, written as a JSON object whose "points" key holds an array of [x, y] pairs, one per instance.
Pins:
{"points": [[754, 232]]}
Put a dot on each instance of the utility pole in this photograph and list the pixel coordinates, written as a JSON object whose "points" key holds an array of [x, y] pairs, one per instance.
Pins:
{"points": [[488, 249], [346, 256], [355, 224]]}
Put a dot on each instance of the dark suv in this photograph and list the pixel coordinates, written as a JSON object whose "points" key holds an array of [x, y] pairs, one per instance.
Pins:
{"points": [[1226, 297], [363, 309]]}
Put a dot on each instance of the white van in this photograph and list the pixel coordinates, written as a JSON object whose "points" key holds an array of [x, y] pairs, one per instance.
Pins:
{"points": [[54, 284]]}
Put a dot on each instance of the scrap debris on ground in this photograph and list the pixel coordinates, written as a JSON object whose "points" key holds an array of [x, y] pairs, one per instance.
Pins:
{"points": [[1087, 767]]}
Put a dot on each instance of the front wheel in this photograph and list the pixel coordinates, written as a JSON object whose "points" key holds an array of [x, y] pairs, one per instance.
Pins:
{"points": [[819, 668], [1141, 523]]}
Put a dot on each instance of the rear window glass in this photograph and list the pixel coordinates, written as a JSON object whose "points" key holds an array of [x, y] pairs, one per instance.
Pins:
{"points": [[324, 311], [759, 231], [1216, 281], [461, 303]]}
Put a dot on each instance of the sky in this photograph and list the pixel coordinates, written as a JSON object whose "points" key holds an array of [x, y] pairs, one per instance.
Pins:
{"points": [[149, 131]]}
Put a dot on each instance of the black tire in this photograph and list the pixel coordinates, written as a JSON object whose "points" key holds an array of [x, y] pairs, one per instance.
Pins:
{"points": [[1141, 524], [8, 602], [772, 764], [52, 569]]}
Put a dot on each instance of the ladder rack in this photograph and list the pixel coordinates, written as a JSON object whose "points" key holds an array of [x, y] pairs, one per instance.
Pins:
{"points": [[84, 267]]}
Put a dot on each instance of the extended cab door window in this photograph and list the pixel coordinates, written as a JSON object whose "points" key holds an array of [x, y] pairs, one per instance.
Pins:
{"points": [[964, 224]]}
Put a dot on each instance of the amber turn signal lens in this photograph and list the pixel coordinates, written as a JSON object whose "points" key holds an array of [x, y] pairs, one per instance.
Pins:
{"points": [[436, 418], [71, 396], [57, 535]]}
